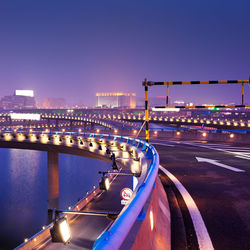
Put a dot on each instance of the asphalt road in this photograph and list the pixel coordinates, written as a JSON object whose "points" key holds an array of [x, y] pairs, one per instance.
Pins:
{"points": [[220, 190]]}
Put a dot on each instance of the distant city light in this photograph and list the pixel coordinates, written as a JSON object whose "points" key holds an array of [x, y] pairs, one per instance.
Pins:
{"points": [[116, 99], [179, 102], [231, 135], [24, 116], [115, 94], [166, 109], [25, 93]]}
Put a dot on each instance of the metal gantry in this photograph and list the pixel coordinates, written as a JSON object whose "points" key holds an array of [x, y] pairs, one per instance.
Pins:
{"points": [[147, 83]]}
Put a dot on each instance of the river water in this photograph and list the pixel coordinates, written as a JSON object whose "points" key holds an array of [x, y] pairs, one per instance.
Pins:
{"points": [[23, 190]]}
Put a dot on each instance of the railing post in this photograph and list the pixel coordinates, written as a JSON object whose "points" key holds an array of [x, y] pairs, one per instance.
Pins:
{"points": [[145, 83], [167, 95], [242, 94]]}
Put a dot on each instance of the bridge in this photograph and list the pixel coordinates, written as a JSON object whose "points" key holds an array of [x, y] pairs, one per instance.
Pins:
{"points": [[190, 183], [132, 155], [93, 144]]}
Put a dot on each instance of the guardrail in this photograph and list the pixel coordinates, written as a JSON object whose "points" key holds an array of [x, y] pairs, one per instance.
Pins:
{"points": [[114, 237]]}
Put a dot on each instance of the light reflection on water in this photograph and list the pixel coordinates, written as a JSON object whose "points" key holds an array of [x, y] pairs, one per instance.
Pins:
{"points": [[23, 190]]}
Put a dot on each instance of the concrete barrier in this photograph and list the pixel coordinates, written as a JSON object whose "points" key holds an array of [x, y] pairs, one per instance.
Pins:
{"points": [[155, 231]]}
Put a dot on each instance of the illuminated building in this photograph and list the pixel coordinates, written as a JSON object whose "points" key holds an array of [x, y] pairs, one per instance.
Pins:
{"points": [[22, 99], [29, 93], [54, 103], [116, 100]]}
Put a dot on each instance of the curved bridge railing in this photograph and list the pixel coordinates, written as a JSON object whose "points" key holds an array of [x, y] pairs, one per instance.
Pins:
{"points": [[116, 234], [114, 237]]}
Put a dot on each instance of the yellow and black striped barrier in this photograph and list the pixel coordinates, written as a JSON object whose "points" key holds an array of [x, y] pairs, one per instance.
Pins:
{"points": [[202, 106], [150, 83], [147, 83], [146, 110]]}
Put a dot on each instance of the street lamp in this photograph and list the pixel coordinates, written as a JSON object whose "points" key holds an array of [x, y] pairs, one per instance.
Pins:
{"points": [[60, 232], [104, 184]]}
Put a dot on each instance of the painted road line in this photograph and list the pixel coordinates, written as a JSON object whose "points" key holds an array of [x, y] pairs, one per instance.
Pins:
{"points": [[243, 157], [216, 163], [202, 146], [226, 146], [219, 146], [202, 235], [236, 154], [239, 149], [241, 153]]}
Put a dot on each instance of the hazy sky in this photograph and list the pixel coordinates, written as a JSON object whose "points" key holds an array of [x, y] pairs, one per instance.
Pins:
{"points": [[75, 48]]}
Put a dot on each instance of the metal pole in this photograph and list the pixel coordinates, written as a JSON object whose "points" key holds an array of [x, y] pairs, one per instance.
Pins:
{"points": [[167, 95], [119, 173], [242, 94], [146, 110], [140, 129], [96, 213]]}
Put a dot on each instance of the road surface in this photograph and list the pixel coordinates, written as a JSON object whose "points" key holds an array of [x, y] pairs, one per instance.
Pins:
{"points": [[217, 177]]}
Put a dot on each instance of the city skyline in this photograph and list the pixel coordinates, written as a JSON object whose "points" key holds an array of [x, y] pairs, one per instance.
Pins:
{"points": [[73, 50]]}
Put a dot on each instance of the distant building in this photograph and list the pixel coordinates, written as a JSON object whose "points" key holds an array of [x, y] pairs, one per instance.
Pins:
{"points": [[22, 99], [54, 103], [116, 100], [23, 92]]}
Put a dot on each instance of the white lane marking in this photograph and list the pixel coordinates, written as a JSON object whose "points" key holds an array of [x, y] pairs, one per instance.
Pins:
{"points": [[162, 144], [203, 237], [218, 149], [240, 149], [219, 146], [202, 146], [216, 163], [241, 152], [243, 157]]}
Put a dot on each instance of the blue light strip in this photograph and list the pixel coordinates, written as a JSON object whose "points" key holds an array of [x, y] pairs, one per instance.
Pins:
{"points": [[115, 236]]}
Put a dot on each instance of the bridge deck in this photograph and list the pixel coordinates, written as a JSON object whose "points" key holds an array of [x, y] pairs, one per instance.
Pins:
{"points": [[86, 229]]}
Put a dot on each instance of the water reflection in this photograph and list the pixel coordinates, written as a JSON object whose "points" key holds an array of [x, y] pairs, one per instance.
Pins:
{"points": [[24, 194]]}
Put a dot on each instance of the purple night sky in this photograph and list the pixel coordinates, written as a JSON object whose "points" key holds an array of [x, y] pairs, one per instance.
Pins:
{"points": [[73, 49]]}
